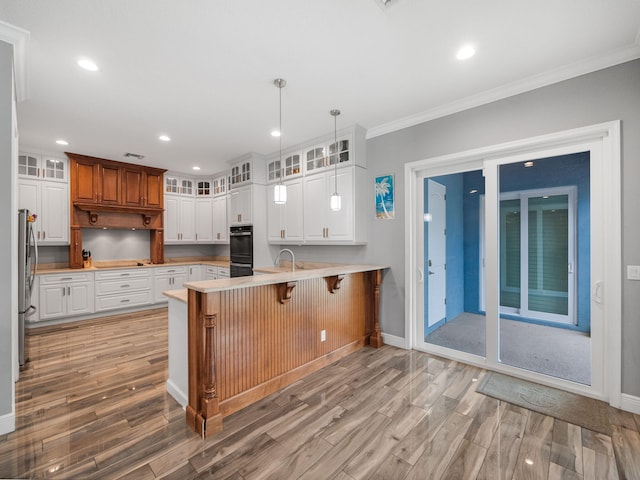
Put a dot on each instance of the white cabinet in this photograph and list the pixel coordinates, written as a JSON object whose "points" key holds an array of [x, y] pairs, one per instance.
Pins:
{"points": [[32, 165], [179, 219], [50, 202], [220, 225], [224, 272], [348, 149], [123, 288], [220, 185], [197, 273], [43, 188], [240, 206], [211, 273], [168, 278], [204, 220], [65, 295], [321, 224], [285, 222]]}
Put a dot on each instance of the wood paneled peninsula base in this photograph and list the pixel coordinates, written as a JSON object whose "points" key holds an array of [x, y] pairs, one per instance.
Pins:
{"points": [[248, 337]]}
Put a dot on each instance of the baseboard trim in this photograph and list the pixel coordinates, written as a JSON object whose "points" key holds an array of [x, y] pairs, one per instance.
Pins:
{"points": [[177, 394], [7, 423], [394, 340], [630, 403]]}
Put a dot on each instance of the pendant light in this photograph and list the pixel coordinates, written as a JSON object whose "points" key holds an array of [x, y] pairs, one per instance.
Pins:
{"points": [[336, 200], [280, 190]]}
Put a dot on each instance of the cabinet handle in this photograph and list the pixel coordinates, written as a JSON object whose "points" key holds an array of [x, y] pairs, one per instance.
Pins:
{"points": [[125, 300], [64, 291], [66, 279], [196, 237], [239, 217], [38, 235], [125, 286], [125, 274], [170, 271], [44, 235], [69, 291]]}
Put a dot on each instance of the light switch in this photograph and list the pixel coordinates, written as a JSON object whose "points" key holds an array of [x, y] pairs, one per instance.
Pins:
{"points": [[633, 272]]}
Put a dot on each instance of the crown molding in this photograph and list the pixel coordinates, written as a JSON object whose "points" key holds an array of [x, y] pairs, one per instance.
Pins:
{"points": [[510, 89], [19, 38]]}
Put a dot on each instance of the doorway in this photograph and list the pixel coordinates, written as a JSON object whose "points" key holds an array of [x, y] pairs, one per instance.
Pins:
{"points": [[537, 286]]}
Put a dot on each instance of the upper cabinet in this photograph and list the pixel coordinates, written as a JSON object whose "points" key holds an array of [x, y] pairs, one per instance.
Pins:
{"points": [[44, 167], [291, 166], [246, 170], [43, 189], [348, 149], [220, 185], [110, 183]]}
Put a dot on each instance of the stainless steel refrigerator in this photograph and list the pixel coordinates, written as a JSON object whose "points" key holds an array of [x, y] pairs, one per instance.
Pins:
{"points": [[27, 263]]}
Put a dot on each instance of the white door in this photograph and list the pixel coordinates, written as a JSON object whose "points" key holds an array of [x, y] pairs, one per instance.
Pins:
{"points": [[171, 218], [316, 203], [274, 216], [340, 223], [220, 219], [80, 298], [204, 220], [187, 220], [436, 252], [53, 301], [294, 213], [55, 213]]}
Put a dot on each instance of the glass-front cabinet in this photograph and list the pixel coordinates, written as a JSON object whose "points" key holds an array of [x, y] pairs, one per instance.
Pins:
{"points": [[44, 167], [220, 185], [290, 166], [203, 187]]}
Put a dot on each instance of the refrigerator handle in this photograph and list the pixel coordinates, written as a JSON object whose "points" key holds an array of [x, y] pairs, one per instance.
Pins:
{"points": [[34, 265]]}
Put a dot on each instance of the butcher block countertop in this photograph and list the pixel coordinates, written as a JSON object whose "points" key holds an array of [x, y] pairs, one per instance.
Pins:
{"points": [[142, 263]]}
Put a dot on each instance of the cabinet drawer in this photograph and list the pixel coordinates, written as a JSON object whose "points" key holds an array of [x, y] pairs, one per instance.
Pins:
{"points": [[65, 278], [113, 274], [122, 285], [223, 272], [112, 302], [171, 270]]}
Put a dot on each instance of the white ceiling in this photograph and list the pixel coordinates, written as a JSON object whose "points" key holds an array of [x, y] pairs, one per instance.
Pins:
{"points": [[202, 71]]}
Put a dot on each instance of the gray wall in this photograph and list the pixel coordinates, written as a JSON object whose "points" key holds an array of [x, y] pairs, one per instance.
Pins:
{"points": [[7, 220], [606, 95]]}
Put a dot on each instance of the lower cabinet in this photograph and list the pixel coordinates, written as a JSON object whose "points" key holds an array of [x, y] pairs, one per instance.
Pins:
{"points": [[168, 278], [123, 289], [63, 295], [197, 273]]}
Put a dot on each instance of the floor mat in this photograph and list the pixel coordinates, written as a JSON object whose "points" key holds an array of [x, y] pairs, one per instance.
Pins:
{"points": [[569, 407]]}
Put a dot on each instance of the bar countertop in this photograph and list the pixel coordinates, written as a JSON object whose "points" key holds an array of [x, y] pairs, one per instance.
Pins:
{"points": [[209, 286]]}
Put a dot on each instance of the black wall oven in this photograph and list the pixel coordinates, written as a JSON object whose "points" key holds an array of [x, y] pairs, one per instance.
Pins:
{"points": [[241, 250]]}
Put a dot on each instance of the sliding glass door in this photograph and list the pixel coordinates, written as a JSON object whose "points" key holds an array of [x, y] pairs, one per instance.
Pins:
{"points": [[537, 254]]}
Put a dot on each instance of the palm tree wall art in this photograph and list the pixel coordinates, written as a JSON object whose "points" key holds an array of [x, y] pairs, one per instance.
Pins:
{"points": [[384, 197]]}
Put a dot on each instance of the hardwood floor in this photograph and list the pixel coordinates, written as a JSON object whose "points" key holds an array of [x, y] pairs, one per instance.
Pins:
{"points": [[92, 404]]}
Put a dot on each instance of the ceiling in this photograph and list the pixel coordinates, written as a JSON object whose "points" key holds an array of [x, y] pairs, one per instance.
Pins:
{"points": [[202, 71]]}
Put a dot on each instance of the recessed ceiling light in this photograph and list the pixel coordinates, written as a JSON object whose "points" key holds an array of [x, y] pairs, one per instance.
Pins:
{"points": [[88, 64], [164, 138], [275, 133], [196, 168], [62, 142], [465, 52]]}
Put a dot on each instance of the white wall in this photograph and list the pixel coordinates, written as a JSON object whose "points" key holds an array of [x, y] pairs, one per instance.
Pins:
{"points": [[8, 219]]}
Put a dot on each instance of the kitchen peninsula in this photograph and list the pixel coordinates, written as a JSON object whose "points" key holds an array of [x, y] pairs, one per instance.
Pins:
{"points": [[235, 341]]}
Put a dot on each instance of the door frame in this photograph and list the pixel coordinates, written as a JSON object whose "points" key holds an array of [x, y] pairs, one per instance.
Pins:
{"points": [[603, 142]]}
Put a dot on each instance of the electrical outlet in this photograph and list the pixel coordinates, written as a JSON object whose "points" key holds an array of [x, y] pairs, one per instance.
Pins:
{"points": [[323, 335]]}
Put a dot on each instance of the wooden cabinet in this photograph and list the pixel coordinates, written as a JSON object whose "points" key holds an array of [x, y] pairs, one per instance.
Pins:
{"points": [[285, 222], [110, 183], [67, 294], [110, 194]]}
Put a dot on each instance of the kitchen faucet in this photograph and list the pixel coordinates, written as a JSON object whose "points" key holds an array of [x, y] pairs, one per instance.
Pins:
{"points": [[293, 259]]}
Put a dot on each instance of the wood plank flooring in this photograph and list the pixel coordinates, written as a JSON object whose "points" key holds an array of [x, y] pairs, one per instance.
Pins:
{"points": [[92, 404]]}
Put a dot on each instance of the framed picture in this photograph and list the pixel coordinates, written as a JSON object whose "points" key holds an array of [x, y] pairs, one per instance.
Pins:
{"points": [[384, 197]]}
